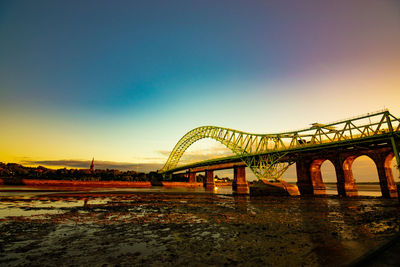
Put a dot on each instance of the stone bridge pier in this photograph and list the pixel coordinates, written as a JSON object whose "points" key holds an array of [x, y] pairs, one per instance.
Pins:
{"points": [[240, 185], [192, 177], [209, 180], [309, 178], [386, 181]]}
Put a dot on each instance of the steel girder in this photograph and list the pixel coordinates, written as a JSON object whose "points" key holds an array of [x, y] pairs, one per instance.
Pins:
{"points": [[248, 146]]}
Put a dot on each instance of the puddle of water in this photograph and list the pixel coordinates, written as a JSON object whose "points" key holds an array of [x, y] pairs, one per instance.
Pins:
{"points": [[16, 212]]}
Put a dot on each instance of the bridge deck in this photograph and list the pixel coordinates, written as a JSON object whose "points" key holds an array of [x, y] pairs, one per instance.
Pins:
{"points": [[382, 139]]}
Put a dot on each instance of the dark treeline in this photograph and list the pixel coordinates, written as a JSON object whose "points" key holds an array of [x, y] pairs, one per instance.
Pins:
{"points": [[15, 172]]}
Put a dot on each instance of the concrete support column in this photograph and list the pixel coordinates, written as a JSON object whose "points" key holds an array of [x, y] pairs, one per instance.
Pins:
{"points": [[192, 177], [346, 185], [209, 180], [304, 182], [240, 185], [386, 181]]}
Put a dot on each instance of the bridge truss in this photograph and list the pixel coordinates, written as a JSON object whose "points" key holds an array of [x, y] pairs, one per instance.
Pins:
{"points": [[263, 153]]}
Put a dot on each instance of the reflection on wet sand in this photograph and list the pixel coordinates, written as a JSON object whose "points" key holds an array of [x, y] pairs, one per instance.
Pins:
{"points": [[190, 228]]}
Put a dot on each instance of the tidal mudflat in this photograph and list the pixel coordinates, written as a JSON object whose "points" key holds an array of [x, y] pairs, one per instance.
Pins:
{"points": [[189, 228]]}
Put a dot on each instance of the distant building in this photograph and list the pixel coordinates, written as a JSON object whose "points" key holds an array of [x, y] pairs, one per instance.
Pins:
{"points": [[90, 170], [92, 166]]}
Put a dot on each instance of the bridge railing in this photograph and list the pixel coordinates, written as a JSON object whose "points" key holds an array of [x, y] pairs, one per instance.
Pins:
{"points": [[359, 127], [245, 144]]}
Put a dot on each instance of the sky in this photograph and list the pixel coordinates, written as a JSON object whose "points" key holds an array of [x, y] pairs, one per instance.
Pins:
{"points": [[123, 81]]}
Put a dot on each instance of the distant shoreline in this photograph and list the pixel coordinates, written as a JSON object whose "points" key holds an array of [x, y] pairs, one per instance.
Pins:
{"points": [[43, 182], [359, 183], [334, 183], [22, 181]]}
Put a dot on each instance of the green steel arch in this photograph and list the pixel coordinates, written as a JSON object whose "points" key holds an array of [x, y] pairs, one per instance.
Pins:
{"points": [[240, 143], [263, 153]]}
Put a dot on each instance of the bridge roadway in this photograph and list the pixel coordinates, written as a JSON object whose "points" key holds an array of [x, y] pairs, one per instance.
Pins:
{"points": [[292, 154], [381, 147]]}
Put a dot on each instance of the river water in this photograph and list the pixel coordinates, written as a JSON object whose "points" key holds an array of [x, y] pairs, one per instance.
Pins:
{"points": [[26, 192], [188, 226], [372, 190]]}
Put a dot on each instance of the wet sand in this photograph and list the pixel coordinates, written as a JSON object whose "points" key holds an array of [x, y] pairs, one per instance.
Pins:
{"points": [[189, 228]]}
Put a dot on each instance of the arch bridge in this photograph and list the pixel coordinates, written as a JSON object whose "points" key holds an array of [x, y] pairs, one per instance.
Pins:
{"points": [[268, 156]]}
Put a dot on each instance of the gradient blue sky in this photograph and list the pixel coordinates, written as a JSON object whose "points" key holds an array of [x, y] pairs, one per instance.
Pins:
{"points": [[122, 81]]}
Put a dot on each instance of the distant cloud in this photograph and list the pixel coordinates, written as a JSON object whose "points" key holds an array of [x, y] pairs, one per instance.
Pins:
{"points": [[188, 157], [99, 164]]}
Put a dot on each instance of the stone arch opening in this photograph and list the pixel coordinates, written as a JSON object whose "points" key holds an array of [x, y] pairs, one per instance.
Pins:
{"points": [[365, 172], [323, 176], [328, 172], [329, 178]]}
